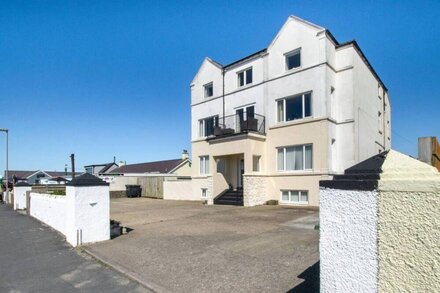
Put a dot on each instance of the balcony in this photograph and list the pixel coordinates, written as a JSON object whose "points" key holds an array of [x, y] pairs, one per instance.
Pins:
{"points": [[238, 123]]}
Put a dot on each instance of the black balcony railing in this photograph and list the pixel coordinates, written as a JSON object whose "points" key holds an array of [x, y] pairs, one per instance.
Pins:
{"points": [[237, 123]]}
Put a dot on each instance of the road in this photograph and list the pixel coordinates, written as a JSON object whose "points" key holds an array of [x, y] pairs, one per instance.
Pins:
{"points": [[35, 258]]}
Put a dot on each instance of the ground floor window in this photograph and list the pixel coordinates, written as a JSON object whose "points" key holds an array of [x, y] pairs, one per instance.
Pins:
{"points": [[204, 192], [256, 163], [204, 165], [294, 158], [295, 196]]}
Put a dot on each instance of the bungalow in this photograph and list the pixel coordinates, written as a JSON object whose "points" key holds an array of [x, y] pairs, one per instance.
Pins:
{"points": [[149, 176], [40, 176]]}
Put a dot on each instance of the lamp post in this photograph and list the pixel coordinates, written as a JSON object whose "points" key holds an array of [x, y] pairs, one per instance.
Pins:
{"points": [[6, 170]]}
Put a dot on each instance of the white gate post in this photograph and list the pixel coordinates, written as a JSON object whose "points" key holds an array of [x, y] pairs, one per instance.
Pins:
{"points": [[379, 227], [88, 210]]}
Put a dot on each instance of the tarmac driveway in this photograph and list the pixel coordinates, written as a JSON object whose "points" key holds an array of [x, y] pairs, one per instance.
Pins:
{"points": [[179, 246]]}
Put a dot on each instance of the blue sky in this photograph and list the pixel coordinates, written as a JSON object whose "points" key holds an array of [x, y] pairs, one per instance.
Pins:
{"points": [[111, 78]]}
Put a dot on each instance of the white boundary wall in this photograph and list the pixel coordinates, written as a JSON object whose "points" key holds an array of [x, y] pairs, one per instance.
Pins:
{"points": [[348, 240], [83, 214], [49, 209], [20, 197]]}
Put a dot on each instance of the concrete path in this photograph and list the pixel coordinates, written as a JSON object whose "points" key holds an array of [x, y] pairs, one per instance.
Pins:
{"points": [[179, 246], [35, 258]]}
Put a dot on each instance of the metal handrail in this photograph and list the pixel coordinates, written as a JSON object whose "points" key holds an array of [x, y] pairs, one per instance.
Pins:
{"points": [[236, 123]]}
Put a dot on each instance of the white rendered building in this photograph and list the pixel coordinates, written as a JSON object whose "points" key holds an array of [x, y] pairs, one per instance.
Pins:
{"points": [[270, 126]]}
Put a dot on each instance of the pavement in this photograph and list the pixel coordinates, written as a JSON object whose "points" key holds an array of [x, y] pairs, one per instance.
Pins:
{"points": [[179, 246], [35, 258]]}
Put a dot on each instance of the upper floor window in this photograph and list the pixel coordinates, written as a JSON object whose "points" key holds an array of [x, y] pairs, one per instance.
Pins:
{"points": [[293, 59], [207, 125], [296, 107], [244, 77], [209, 90], [295, 158]]}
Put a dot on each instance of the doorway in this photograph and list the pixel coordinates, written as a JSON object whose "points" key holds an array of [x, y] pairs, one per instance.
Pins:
{"points": [[240, 173]]}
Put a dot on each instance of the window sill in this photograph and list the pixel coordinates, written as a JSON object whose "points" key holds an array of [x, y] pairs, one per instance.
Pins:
{"points": [[245, 86], [294, 171], [296, 122], [202, 176], [294, 203], [292, 69]]}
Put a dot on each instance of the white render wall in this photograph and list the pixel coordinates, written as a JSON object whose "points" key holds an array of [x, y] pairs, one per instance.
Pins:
{"points": [[49, 209], [348, 237], [20, 197], [82, 215], [180, 190], [88, 214]]}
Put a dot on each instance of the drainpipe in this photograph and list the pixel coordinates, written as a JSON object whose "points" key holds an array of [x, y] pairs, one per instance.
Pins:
{"points": [[223, 76], [384, 120]]}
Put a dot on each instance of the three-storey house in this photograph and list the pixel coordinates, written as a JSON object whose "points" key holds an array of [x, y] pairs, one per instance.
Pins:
{"points": [[270, 126]]}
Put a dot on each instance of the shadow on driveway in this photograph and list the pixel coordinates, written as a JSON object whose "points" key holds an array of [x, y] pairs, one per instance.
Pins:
{"points": [[311, 280]]}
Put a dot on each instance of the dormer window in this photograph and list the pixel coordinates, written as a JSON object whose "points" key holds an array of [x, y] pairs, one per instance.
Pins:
{"points": [[293, 59], [244, 77], [209, 90]]}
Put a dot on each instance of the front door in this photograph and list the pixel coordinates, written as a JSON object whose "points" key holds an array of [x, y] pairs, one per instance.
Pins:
{"points": [[240, 173]]}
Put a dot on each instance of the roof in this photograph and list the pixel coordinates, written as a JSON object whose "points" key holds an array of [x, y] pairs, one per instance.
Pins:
{"points": [[96, 165], [24, 174], [87, 179], [108, 166], [162, 167], [62, 173], [328, 34], [20, 173], [245, 58]]}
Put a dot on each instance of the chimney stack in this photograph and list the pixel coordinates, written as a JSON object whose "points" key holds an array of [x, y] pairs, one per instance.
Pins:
{"points": [[185, 155]]}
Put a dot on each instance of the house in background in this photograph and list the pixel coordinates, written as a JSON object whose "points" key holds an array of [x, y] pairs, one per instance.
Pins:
{"points": [[273, 124], [150, 176], [98, 169], [40, 176]]}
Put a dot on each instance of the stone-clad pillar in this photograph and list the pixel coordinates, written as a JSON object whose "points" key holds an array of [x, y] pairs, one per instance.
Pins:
{"points": [[87, 210], [20, 195], [379, 227]]}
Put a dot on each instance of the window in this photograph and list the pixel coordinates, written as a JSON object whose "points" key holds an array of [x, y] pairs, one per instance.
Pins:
{"points": [[293, 59], [244, 77], [204, 192], [296, 107], [256, 163], [380, 121], [295, 158], [204, 165], [221, 166], [209, 90], [295, 196], [207, 125]]}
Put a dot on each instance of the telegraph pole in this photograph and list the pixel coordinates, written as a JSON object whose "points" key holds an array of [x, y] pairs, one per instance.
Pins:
{"points": [[7, 167], [72, 159]]}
